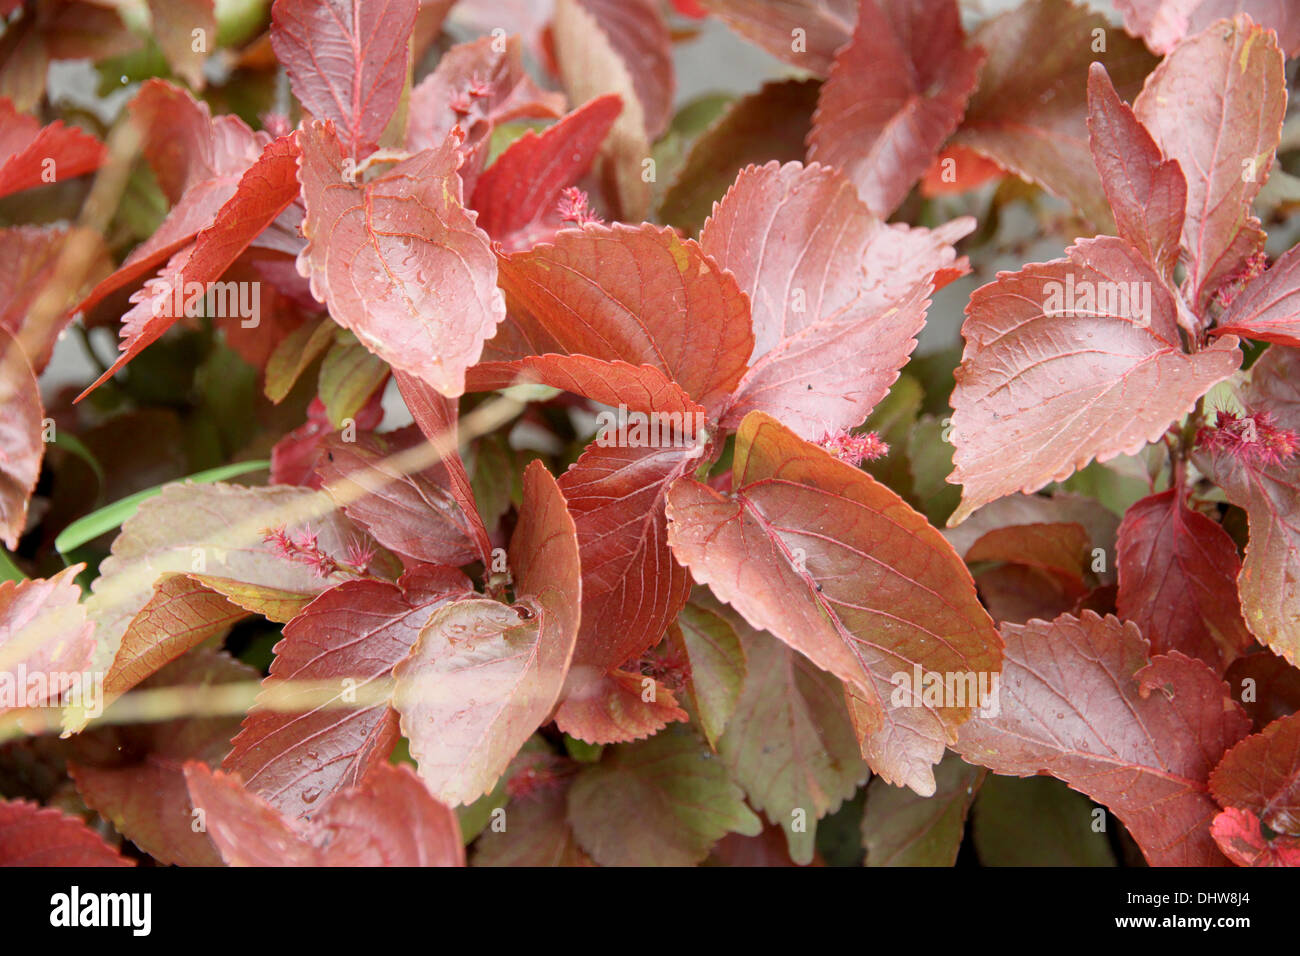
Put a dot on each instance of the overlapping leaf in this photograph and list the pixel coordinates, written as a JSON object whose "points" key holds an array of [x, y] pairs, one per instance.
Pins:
{"points": [[346, 61], [1178, 581], [399, 261], [33, 155], [634, 294], [836, 296], [790, 744], [1071, 360], [483, 675], [1081, 700], [1261, 774], [1163, 23], [842, 570], [1230, 84], [894, 94], [348, 640], [31, 835], [1030, 111], [388, 819]]}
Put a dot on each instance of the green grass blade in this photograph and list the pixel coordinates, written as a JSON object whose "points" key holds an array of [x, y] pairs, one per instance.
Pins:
{"points": [[90, 527]]}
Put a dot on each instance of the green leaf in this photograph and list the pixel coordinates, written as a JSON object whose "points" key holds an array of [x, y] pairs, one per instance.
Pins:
{"points": [[1037, 821], [902, 829]]}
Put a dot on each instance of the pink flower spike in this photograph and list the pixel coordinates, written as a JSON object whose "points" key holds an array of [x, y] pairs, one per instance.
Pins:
{"points": [[575, 207], [855, 449], [1251, 439]]}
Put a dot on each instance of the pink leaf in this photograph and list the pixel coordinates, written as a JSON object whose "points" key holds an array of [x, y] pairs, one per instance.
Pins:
{"points": [[1267, 486], [483, 675], [1242, 841], [39, 836], [1262, 774], [837, 297], [632, 588], [1268, 309], [387, 819], [1147, 193], [399, 261], [264, 190], [32, 155], [346, 61], [354, 632], [414, 515], [1163, 23], [894, 94], [22, 446], [1080, 700], [44, 634], [476, 87], [1071, 360], [841, 569], [1229, 83], [614, 710], [826, 24]]}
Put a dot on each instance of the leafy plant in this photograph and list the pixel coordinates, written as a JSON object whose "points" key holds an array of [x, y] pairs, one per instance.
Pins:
{"points": [[596, 506]]}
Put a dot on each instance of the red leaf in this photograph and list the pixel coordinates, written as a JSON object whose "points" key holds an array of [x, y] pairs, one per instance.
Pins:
{"points": [[634, 294], [1147, 193], [1267, 686], [264, 190], [837, 296], [476, 87], [1269, 491], [484, 675], [388, 819], [346, 61], [632, 588], [516, 198], [1239, 837], [1230, 85], [295, 456], [39, 836], [399, 261], [894, 94], [31, 154], [414, 515], [841, 569], [1262, 774], [44, 638], [141, 790], [22, 447], [1268, 308], [826, 24], [199, 162], [1052, 377], [353, 634], [1081, 701], [435, 415], [959, 169], [1030, 111], [1178, 581], [613, 709], [1163, 23], [640, 388]]}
